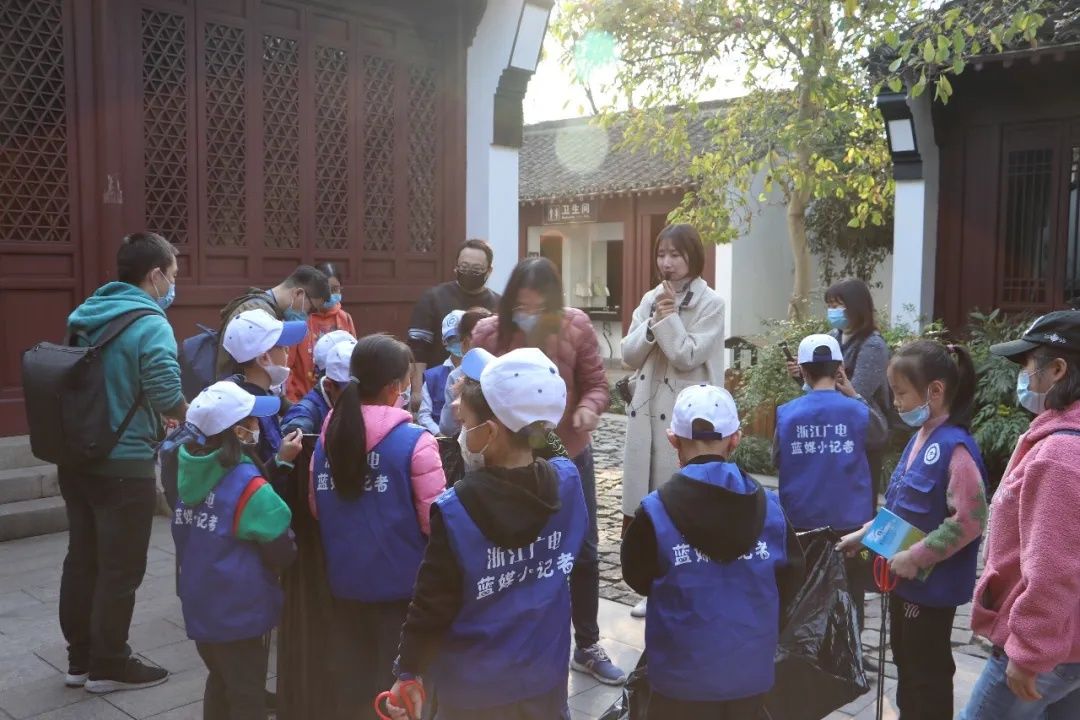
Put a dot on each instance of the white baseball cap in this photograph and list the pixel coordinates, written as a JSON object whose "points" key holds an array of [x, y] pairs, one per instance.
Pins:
{"points": [[704, 402], [327, 341], [450, 324], [338, 360], [521, 387], [223, 404], [819, 348], [253, 332]]}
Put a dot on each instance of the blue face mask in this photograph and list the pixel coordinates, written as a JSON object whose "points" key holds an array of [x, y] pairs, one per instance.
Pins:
{"points": [[1030, 400], [167, 299], [806, 387], [292, 314], [333, 302], [837, 318], [526, 321], [454, 349], [917, 417]]}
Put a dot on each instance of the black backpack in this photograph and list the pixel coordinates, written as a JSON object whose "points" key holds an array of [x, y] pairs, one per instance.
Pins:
{"points": [[199, 353], [67, 403]]}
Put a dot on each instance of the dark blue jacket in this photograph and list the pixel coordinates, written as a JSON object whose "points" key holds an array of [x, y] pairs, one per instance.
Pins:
{"points": [[435, 380]]}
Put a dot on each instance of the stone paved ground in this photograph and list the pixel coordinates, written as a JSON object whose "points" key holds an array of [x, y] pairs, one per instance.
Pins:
{"points": [[32, 654]]}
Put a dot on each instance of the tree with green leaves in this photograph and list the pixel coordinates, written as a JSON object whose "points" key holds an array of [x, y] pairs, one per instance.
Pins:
{"points": [[807, 128]]}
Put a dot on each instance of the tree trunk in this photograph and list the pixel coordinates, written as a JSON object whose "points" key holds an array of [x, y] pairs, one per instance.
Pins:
{"points": [[800, 251]]}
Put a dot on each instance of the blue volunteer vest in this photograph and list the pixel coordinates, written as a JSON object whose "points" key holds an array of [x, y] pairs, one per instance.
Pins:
{"points": [[309, 412], [373, 544], [435, 379], [712, 628], [226, 590], [511, 639], [918, 495], [824, 474]]}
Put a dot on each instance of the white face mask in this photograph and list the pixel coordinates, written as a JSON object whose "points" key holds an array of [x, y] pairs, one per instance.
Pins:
{"points": [[278, 374], [473, 460], [253, 436]]}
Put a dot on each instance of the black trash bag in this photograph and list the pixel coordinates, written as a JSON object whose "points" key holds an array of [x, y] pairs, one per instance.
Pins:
{"points": [[819, 662], [634, 703]]}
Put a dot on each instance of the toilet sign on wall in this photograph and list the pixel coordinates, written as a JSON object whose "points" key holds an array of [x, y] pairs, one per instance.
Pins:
{"points": [[570, 212]]}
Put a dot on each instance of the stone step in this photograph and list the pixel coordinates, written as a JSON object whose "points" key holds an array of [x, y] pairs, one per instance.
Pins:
{"points": [[29, 483], [28, 518], [15, 453]]}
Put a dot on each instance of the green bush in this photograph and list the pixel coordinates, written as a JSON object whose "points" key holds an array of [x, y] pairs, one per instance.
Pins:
{"points": [[617, 405], [998, 422], [754, 455]]}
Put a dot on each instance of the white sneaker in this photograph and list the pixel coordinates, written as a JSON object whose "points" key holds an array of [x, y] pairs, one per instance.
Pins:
{"points": [[639, 610]]}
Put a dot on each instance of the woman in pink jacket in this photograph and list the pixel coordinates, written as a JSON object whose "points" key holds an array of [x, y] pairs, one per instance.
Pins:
{"points": [[531, 314], [1027, 602], [374, 475]]}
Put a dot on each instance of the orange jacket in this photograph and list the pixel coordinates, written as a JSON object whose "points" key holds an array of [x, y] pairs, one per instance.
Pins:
{"points": [[301, 357]]}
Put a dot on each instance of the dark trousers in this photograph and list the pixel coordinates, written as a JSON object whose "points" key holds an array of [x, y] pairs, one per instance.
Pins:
{"points": [[365, 640], [921, 640], [109, 520], [664, 708], [236, 685], [585, 577]]}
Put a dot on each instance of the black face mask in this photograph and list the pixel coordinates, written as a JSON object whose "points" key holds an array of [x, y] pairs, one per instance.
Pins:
{"points": [[470, 281]]}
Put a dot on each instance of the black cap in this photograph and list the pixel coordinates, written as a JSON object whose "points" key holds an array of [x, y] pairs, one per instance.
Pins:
{"points": [[1059, 329]]}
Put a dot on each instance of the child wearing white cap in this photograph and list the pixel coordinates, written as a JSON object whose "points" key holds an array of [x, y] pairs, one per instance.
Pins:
{"points": [[433, 390], [333, 353], [717, 559], [489, 624], [820, 450], [232, 536], [259, 343], [374, 475]]}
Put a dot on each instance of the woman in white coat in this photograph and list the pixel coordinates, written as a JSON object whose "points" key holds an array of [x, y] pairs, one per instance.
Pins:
{"points": [[676, 339]]}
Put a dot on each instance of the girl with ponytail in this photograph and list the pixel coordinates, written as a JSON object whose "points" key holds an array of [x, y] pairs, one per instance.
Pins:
{"points": [[939, 487], [374, 476]]}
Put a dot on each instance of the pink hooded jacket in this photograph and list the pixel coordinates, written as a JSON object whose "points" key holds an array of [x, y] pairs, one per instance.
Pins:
{"points": [[1028, 598], [428, 480]]}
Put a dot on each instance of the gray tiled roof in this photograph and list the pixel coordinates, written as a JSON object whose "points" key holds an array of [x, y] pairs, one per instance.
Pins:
{"points": [[574, 158]]}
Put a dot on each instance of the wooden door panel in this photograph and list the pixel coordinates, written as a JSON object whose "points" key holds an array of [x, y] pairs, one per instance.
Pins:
{"points": [[40, 258]]}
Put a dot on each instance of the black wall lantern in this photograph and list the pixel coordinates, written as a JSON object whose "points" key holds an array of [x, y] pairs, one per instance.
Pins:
{"points": [[514, 81], [900, 130]]}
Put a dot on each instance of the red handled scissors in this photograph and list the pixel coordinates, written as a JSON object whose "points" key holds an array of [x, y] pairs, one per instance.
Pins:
{"points": [[404, 701], [883, 576], [886, 581]]}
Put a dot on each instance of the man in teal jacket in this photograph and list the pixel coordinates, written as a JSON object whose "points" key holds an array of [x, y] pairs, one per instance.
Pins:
{"points": [[110, 505]]}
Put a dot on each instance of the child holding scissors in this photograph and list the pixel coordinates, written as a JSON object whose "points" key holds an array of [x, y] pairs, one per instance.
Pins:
{"points": [[489, 625], [940, 488]]}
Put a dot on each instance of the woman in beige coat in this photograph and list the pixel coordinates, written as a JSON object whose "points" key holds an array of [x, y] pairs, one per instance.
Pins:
{"points": [[676, 339]]}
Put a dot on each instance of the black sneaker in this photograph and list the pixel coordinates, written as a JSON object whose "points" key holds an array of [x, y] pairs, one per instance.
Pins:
{"points": [[135, 676]]}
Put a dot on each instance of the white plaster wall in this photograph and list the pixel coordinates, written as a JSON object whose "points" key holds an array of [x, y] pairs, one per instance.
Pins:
{"points": [[915, 229], [491, 182]]}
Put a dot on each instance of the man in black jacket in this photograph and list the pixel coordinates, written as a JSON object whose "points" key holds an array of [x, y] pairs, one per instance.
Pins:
{"points": [[467, 290]]}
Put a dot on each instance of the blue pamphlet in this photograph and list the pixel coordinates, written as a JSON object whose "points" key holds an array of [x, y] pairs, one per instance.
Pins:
{"points": [[890, 533]]}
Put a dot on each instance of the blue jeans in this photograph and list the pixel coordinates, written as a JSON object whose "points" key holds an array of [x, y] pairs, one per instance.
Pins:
{"points": [[993, 700], [585, 577]]}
